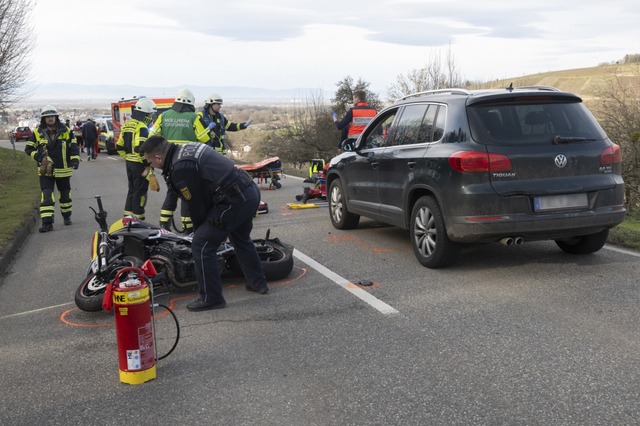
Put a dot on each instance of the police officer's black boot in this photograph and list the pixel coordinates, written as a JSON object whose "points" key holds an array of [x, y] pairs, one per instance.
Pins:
{"points": [[165, 225], [67, 220]]}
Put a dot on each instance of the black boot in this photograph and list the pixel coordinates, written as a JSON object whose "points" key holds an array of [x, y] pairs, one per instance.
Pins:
{"points": [[46, 227], [67, 220], [165, 225]]}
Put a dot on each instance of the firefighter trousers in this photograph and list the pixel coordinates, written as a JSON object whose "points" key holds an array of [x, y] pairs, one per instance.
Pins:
{"points": [[48, 185], [169, 206], [137, 192]]}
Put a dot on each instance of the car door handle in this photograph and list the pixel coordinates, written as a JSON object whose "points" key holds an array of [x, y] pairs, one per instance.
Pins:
{"points": [[374, 164], [411, 164]]}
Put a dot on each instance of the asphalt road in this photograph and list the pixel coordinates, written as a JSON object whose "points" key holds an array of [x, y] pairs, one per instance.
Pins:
{"points": [[509, 335]]}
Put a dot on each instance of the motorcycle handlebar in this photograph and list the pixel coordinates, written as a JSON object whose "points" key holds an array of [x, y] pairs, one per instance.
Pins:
{"points": [[101, 215]]}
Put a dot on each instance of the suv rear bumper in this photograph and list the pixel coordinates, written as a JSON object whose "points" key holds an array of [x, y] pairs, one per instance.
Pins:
{"points": [[533, 227]]}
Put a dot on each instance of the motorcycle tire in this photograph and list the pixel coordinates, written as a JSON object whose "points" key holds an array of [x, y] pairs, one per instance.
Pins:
{"points": [[276, 259], [89, 295]]}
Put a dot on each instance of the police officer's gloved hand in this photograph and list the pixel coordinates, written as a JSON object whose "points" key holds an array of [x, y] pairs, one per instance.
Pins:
{"points": [[211, 125], [246, 124], [38, 157], [75, 164]]}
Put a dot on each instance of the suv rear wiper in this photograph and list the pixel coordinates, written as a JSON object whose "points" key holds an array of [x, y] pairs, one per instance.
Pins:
{"points": [[568, 139]]}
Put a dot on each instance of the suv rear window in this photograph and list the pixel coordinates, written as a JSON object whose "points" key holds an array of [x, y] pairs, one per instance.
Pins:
{"points": [[531, 123]]}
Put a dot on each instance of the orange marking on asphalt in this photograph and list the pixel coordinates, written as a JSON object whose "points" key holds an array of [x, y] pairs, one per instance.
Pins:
{"points": [[63, 318]]}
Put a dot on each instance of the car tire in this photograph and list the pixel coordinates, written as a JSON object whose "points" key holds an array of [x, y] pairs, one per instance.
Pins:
{"points": [[585, 244], [340, 216], [431, 245]]}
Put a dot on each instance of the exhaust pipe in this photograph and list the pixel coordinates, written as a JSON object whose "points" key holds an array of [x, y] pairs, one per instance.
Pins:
{"points": [[518, 240], [507, 241]]}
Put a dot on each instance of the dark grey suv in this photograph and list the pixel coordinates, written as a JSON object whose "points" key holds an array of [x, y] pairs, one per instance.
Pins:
{"points": [[458, 167]]}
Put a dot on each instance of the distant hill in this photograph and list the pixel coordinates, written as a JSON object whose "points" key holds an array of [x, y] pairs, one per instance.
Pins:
{"points": [[581, 81], [64, 93]]}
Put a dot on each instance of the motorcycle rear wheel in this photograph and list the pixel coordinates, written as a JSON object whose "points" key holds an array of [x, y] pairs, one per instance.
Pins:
{"points": [[276, 259], [89, 295]]}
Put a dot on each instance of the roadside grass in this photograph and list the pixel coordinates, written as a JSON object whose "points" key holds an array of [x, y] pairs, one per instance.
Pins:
{"points": [[19, 191], [627, 234]]}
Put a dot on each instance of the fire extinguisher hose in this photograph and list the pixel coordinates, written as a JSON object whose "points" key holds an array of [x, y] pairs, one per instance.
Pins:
{"points": [[175, 343]]}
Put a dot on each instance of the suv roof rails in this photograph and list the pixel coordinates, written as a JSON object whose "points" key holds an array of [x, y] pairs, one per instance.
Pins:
{"points": [[548, 88], [436, 91]]}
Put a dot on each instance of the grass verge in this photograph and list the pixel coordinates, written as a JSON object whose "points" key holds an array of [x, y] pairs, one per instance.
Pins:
{"points": [[19, 191]]}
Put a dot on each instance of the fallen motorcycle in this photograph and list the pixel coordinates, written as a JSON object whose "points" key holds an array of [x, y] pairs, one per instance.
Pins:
{"points": [[128, 242]]}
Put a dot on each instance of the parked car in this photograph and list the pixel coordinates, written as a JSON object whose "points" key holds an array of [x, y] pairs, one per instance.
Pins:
{"points": [[458, 167], [21, 133], [106, 140]]}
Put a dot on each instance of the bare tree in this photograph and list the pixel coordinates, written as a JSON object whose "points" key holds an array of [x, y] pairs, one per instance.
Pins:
{"points": [[618, 111], [306, 132], [16, 41], [436, 74]]}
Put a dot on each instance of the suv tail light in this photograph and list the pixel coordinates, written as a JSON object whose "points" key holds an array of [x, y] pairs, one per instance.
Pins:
{"points": [[477, 161], [611, 155]]}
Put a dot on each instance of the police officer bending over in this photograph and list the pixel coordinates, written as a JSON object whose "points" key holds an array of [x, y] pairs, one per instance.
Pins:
{"points": [[223, 201]]}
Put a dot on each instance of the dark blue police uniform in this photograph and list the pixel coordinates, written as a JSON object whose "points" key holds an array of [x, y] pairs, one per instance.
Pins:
{"points": [[223, 201]]}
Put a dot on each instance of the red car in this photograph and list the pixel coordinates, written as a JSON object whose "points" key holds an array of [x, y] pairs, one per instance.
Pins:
{"points": [[21, 133]]}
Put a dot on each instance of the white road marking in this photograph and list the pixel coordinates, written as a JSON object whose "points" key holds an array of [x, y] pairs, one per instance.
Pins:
{"points": [[623, 251], [346, 284], [35, 310]]}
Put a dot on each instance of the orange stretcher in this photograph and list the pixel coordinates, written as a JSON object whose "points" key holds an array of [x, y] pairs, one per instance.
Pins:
{"points": [[268, 172]]}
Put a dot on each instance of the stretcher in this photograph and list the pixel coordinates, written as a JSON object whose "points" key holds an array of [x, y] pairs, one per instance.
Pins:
{"points": [[268, 172]]}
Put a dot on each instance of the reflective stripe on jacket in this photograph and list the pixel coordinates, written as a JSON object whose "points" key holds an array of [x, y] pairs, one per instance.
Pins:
{"points": [[61, 148], [362, 114], [132, 135]]}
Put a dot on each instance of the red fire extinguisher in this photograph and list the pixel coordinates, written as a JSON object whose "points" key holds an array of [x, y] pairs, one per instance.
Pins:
{"points": [[129, 293]]}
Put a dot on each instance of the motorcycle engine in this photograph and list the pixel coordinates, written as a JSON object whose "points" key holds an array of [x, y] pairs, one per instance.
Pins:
{"points": [[180, 256]]}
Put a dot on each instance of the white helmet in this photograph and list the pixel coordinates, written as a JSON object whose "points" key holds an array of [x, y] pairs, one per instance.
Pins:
{"points": [[213, 98], [185, 96], [145, 105], [48, 111]]}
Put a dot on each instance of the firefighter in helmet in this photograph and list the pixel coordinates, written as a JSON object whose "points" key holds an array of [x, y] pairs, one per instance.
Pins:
{"points": [[140, 175], [180, 125], [217, 124], [55, 150]]}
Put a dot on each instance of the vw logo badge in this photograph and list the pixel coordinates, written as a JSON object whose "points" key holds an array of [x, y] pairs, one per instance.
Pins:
{"points": [[561, 160]]}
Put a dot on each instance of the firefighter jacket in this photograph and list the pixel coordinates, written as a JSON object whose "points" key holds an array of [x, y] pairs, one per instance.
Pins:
{"points": [[60, 147], [133, 134], [196, 172], [180, 125], [357, 119], [217, 134]]}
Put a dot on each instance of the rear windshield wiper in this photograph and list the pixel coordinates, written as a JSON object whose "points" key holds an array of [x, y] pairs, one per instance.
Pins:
{"points": [[568, 139]]}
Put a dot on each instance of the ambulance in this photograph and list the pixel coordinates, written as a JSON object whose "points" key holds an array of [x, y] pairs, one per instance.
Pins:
{"points": [[121, 111]]}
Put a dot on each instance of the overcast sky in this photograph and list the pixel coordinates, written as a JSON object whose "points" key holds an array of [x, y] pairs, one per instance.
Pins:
{"points": [[285, 44]]}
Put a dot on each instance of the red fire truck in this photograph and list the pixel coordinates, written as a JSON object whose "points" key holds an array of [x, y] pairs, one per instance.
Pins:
{"points": [[121, 111]]}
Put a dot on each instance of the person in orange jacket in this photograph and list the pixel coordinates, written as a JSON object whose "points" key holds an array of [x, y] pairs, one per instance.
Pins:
{"points": [[357, 118]]}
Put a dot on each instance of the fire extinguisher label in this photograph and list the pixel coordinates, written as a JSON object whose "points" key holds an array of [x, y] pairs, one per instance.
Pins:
{"points": [[145, 343], [133, 360]]}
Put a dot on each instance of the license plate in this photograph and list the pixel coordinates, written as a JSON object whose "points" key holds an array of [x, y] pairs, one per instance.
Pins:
{"points": [[560, 202]]}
